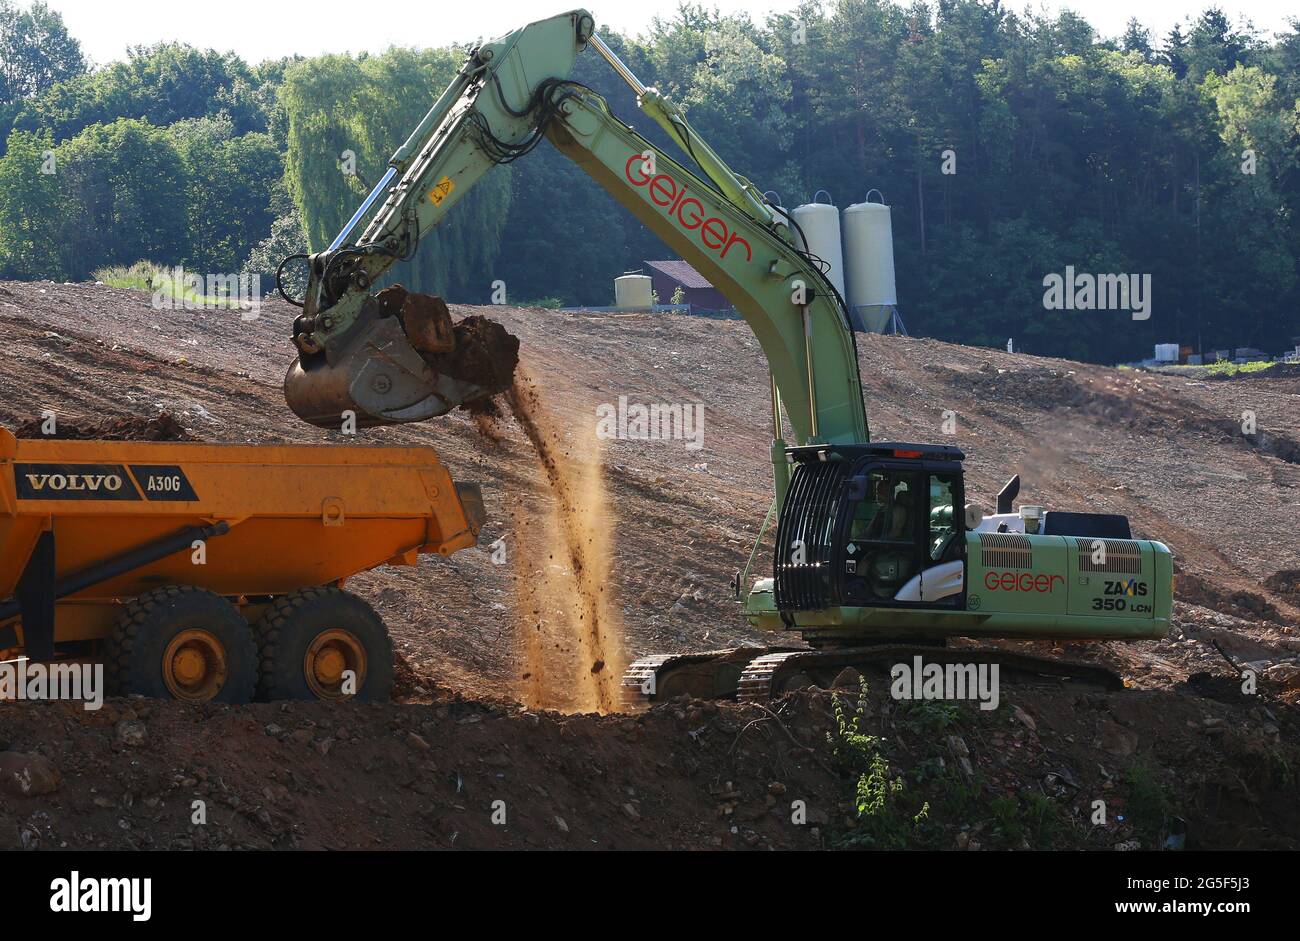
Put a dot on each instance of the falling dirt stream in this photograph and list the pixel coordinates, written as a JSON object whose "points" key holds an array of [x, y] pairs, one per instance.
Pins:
{"points": [[578, 532]]}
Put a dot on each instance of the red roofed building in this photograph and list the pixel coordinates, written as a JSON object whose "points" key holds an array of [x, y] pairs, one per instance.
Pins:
{"points": [[667, 276]]}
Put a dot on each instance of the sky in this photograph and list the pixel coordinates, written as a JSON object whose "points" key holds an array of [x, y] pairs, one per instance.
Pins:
{"points": [[264, 29]]}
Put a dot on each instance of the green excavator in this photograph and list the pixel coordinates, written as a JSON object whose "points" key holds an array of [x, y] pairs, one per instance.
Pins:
{"points": [[878, 555]]}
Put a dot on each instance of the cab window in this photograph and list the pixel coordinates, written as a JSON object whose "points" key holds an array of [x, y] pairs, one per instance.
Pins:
{"points": [[942, 518]]}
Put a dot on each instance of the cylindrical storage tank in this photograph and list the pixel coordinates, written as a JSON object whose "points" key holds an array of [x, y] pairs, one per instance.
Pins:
{"points": [[633, 290], [820, 224], [869, 254]]}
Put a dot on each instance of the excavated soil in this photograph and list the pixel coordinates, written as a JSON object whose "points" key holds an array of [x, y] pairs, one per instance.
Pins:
{"points": [[162, 427], [1181, 741], [486, 354]]}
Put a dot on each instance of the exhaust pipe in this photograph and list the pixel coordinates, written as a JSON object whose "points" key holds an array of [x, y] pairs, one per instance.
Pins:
{"points": [[1008, 494]]}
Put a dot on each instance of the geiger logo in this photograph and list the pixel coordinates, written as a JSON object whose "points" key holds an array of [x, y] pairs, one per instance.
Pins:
{"points": [[686, 212]]}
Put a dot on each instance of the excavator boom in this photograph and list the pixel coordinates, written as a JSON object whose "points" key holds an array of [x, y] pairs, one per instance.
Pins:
{"points": [[510, 94]]}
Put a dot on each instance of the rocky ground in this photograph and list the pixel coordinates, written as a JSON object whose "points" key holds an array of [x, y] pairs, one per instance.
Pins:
{"points": [[1179, 744]]}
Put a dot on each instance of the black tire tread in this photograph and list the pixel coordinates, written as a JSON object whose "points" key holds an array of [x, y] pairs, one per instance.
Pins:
{"points": [[135, 618], [275, 620]]}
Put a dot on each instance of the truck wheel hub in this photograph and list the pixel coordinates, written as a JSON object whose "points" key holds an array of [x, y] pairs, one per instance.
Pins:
{"points": [[194, 666], [331, 656]]}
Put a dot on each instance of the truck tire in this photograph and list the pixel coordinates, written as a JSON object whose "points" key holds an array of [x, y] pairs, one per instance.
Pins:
{"points": [[308, 638], [182, 642]]}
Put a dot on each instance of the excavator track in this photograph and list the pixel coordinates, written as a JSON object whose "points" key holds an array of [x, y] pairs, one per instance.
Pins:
{"points": [[772, 675], [753, 674], [713, 674]]}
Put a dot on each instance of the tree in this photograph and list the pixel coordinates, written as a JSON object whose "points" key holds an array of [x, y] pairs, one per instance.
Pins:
{"points": [[349, 114], [1137, 38], [1214, 46], [29, 209], [123, 191], [229, 181], [35, 51], [162, 84]]}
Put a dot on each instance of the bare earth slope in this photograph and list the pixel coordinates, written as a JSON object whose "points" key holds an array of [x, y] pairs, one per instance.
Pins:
{"points": [[1165, 450]]}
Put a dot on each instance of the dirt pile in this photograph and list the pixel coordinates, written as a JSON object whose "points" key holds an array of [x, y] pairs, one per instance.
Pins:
{"points": [[162, 427], [1180, 740], [688, 775]]}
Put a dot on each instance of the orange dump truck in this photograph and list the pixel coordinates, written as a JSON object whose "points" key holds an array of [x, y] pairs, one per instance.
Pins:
{"points": [[214, 572]]}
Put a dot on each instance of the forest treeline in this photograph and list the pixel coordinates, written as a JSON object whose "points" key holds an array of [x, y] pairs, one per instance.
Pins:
{"points": [[1009, 145]]}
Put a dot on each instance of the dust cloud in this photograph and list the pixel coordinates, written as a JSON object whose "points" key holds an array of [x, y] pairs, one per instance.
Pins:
{"points": [[571, 643]]}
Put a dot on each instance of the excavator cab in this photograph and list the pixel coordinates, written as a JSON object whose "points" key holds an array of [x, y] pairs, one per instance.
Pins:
{"points": [[875, 525]]}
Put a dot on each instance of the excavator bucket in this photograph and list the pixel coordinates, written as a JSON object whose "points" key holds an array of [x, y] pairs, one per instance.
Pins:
{"points": [[404, 361]]}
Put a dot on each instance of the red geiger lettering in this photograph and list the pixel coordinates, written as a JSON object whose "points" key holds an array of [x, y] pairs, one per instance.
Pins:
{"points": [[668, 194], [1021, 581]]}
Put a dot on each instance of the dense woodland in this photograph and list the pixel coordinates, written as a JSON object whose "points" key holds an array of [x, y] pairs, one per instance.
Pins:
{"points": [[1176, 156]]}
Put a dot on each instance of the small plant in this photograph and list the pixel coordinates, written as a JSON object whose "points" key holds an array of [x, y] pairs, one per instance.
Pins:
{"points": [[1031, 818], [929, 716], [1006, 818], [882, 821], [161, 280], [854, 749], [1227, 368], [142, 276], [1149, 801]]}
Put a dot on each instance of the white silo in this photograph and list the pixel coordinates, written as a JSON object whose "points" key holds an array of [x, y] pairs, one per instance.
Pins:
{"points": [[633, 290], [820, 224], [869, 263]]}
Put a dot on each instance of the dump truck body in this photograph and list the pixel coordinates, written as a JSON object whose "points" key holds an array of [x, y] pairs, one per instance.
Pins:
{"points": [[267, 521]]}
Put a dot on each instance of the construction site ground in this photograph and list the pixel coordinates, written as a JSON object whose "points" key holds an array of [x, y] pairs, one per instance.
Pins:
{"points": [[1180, 756]]}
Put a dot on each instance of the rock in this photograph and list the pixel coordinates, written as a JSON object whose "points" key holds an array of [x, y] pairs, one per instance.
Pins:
{"points": [[27, 775], [1286, 674], [563, 827], [300, 736], [1115, 739], [131, 732], [323, 746], [958, 746], [776, 787], [630, 811], [848, 678], [417, 741], [1024, 718], [1128, 846]]}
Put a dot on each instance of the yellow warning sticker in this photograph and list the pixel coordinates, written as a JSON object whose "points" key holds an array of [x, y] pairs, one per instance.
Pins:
{"points": [[441, 190]]}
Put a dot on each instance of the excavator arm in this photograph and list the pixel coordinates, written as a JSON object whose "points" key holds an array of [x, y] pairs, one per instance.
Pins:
{"points": [[355, 354]]}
